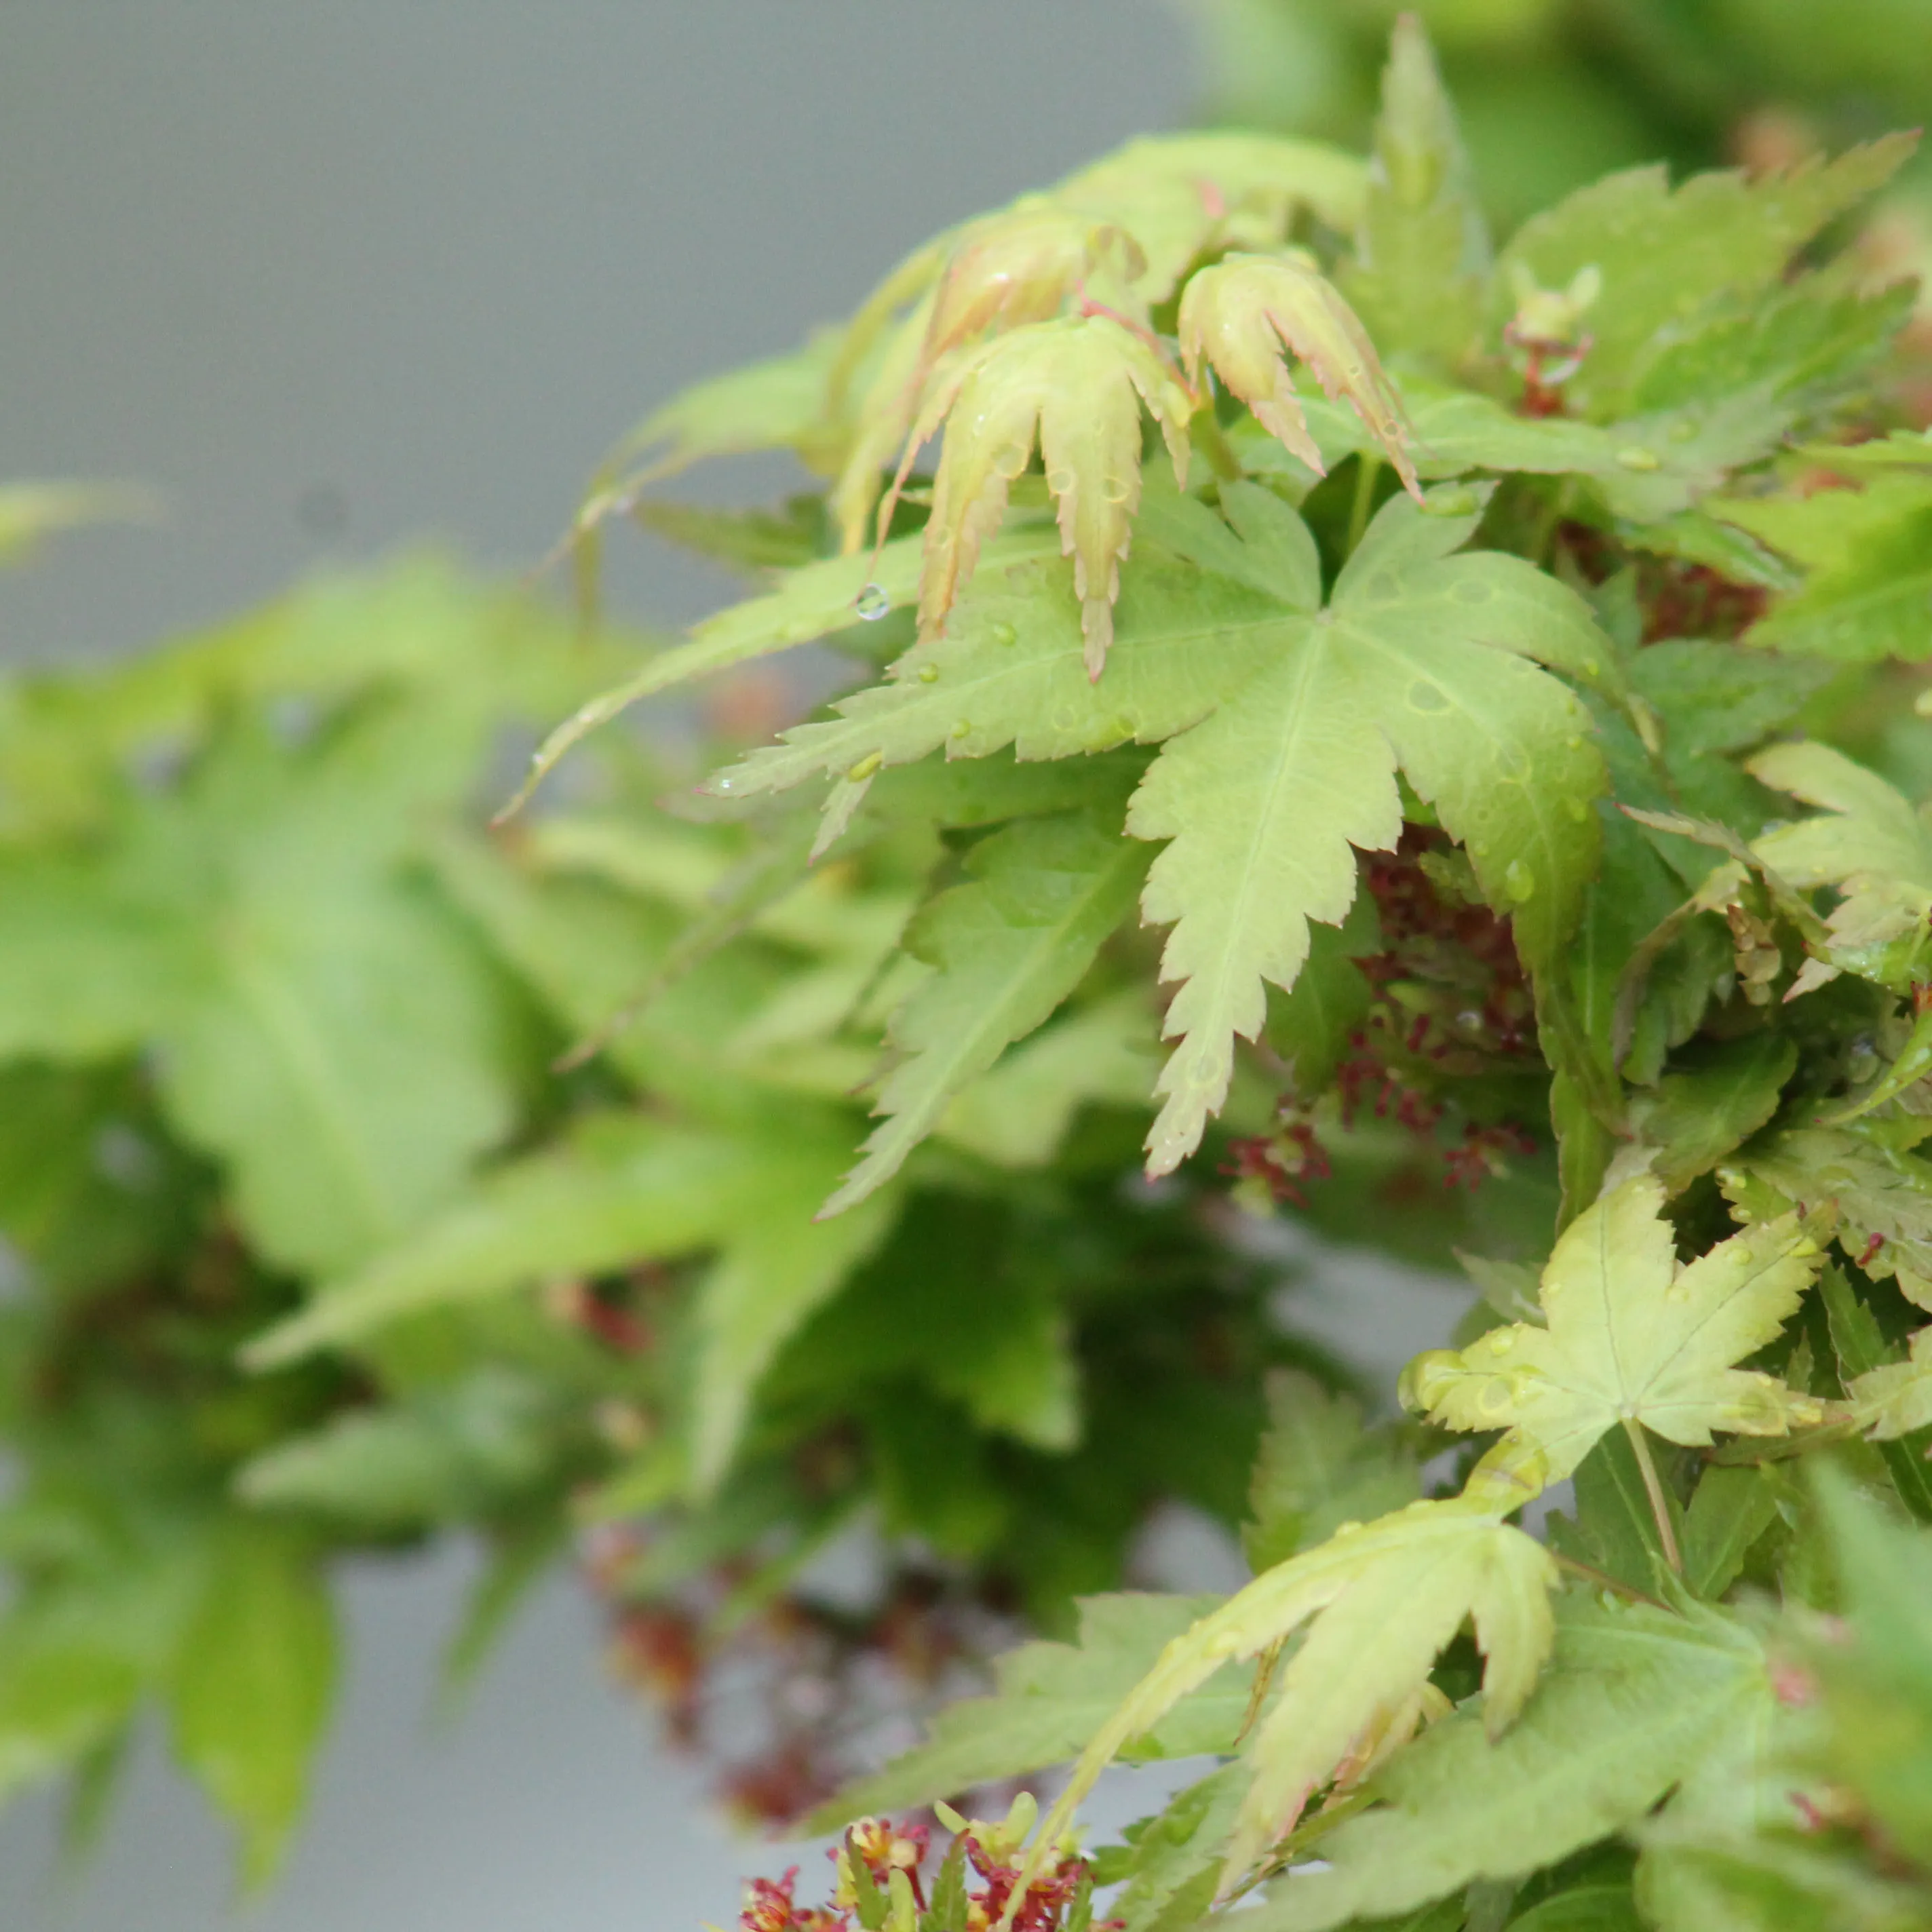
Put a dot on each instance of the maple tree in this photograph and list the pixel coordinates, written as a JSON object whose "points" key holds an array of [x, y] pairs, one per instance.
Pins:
{"points": [[1349, 723]]}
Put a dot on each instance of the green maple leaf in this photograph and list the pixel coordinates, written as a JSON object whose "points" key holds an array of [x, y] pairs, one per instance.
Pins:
{"points": [[1664, 257], [1867, 588], [1048, 1699], [1874, 847], [620, 1190], [1422, 660], [1882, 1193], [1007, 948], [1896, 1398], [1379, 1601], [1422, 248], [1633, 1337], [1634, 1700]]}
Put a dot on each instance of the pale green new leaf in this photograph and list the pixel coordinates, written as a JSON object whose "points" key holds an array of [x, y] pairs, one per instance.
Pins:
{"points": [[1190, 627], [1078, 383], [1897, 1399], [1693, 1118], [1007, 947], [1664, 257], [1246, 313], [1048, 1699], [1634, 1336], [1420, 659], [1883, 1196], [1874, 842], [251, 1688], [622, 1188], [1379, 1601], [320, 1021], [1422, 250], [776, 1268], [1634, 1698], [1868, 558], [1317, 1467], [807, 604]]}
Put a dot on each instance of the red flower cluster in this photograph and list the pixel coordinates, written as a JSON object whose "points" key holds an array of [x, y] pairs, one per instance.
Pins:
{"points": [[875, 1852]]}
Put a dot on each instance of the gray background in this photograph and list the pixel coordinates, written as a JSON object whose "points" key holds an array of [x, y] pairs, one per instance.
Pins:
{"points": [[335, 276]]}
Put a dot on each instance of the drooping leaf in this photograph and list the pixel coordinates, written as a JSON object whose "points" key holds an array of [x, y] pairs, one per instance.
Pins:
{"points": [[1633, 1336], [251, 1689], [1380, 1600], [1244, 316], [1049, 1699], [1080, 383], [1007, 948], [1633, 1700], [1168, 1875]]}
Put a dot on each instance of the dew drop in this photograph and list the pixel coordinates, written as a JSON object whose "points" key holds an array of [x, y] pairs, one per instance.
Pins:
{"points": [[1494, 1397], [1591, 666], [1423, 696], [1637, 457], [961, 729], [1059, 481], [1458, 501], [1065, 717], [728, 783], [1520, 881], [929, 673], [865, 767], [872, 603], [1502, 1342], [1577, 810], [1002, 633], [1574, 742]]}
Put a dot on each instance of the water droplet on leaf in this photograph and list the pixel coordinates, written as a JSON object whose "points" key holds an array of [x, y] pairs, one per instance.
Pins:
{"points": [[865, 767], [1637, 457], [929, 673], [1520, 880], [1003, 633], [872, 603], [960, 729], [1423, 696]]}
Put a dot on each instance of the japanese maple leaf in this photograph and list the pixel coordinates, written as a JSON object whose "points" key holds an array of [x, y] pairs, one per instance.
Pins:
{"points": [[1634, 1336], [1078, 382], [1243, 316], [1378, 1602]]}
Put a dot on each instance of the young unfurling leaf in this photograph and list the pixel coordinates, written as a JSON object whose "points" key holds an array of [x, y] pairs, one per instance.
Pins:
{"points": [[1379, 1601], [1079, 383], [1241, 315], [1634, 1336]]}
